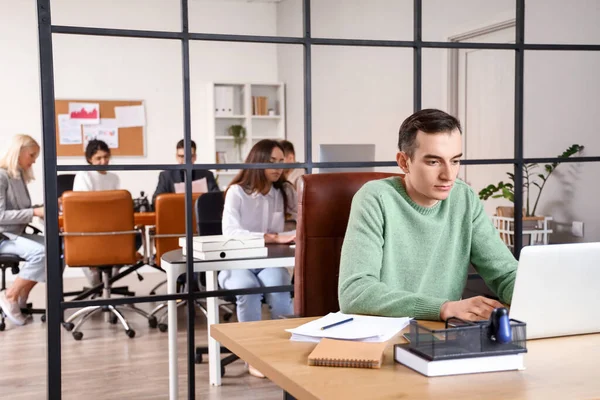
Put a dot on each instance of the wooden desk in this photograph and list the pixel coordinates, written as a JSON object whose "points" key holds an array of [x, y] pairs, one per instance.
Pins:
{"points": [[560, 368], [142, 218]]}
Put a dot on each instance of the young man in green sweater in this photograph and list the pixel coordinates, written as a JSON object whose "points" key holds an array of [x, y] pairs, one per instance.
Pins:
{"points": [[410, 240]]}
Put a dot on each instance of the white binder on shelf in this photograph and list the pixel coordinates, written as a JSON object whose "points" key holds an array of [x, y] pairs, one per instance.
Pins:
{"points": [[227, 100], [218, 101]]}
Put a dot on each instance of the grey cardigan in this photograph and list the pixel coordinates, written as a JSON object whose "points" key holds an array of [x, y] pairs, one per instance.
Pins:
{"points": [[15, 204]]}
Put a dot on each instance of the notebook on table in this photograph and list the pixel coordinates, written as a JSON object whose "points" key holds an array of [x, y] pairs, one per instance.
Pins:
{"points": [[345, 353]]}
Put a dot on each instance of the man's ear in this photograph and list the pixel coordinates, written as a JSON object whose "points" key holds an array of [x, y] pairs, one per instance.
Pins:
{"points": [[403, 161]]}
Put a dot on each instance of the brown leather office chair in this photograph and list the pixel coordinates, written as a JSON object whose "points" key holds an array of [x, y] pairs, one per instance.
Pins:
{"points": [[170, 222], [99, 232], [164, 237], [323, 209], [169, 227]]}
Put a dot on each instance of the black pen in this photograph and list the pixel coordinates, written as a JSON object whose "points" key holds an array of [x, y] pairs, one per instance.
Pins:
{"points": [[337, 323]]}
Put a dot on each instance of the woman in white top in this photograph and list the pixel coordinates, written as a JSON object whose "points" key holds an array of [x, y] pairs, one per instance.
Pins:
{"points": [[97, 152], [257, 201]]}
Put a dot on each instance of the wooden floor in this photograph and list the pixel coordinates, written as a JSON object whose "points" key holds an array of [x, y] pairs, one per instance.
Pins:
{"points": [[106, 364]]}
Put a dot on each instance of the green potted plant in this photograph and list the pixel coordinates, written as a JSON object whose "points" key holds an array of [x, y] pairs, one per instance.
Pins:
{"points": [[239, 138], [506, 190]]}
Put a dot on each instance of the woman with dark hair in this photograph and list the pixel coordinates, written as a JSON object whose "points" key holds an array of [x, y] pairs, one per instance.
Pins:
{"points": [[97, 152], [293, 174], [256, 202]]}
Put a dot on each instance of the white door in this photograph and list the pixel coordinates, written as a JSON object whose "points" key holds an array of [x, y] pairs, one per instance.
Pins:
{"points": [[485, 106]]}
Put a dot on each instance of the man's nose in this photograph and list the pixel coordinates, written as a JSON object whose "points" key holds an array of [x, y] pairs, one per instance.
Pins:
{"points": [[445, 173]]}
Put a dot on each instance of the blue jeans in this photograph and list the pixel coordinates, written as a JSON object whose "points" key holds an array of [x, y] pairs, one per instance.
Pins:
{"points": [[30, 248], [249, 305]]}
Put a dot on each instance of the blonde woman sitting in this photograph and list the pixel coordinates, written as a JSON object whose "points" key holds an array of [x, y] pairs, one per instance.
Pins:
{"points": [[15, 213]]}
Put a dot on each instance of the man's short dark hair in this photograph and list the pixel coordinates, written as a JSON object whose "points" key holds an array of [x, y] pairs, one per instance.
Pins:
{"points": [[428, 120], [288, 147], [93, 147], [180, 145]]}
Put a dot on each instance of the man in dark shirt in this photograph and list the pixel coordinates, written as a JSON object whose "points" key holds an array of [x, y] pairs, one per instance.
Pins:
{"points": [[168, 179]]}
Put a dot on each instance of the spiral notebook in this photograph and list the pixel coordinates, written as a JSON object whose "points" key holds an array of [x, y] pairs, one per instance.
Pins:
{"points": [[347, 353]]}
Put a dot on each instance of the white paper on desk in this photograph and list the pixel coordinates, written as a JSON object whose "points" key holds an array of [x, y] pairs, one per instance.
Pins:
{"points": [[69, 130], [364, 328], [198, 186], [130, 116]]}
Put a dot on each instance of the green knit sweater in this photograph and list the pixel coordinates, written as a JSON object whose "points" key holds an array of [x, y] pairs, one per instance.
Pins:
{"points": [[400, 259]]}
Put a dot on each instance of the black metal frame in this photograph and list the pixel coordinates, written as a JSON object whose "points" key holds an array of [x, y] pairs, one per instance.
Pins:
{"points": [[56, 305]]}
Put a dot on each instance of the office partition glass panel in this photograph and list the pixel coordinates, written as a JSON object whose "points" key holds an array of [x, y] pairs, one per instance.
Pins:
{"points": [[477, 86], [479, 177], [290, 69], [236, 103], [561, 102], [569, 198], [158, 15], [356, 19], [472, 20], [360, 96], [562, 22], [260, 18], [114, 69]]}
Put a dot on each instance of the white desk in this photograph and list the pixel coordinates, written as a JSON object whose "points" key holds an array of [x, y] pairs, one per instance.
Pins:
{"points": [[174, 263]]}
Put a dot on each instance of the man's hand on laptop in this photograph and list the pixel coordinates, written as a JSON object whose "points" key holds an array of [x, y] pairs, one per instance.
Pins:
{"points": [[473, 309], [281, 239]]}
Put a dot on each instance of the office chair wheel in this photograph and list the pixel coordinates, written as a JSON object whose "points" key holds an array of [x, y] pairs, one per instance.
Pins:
{"points": [[227, 316], [130, 333], [198, 359], [152, 322], [2, 326], [163, 327], [43, 318], [77, 335], [68, 326]]}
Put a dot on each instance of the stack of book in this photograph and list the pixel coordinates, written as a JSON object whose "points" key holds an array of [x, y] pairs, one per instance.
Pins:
{"points": [[222, 247], [465, 349], [260, 105]]}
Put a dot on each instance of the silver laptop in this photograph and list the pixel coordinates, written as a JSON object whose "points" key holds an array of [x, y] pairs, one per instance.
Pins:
{"points": [[556, 290], [346, 152]]}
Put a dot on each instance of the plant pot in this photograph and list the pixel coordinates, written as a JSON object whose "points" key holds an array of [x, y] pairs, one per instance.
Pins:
{"points": [[534, 228]]}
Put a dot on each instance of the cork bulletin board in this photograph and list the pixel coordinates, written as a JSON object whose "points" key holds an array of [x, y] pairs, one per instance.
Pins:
{"points": [[131, 139]]}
